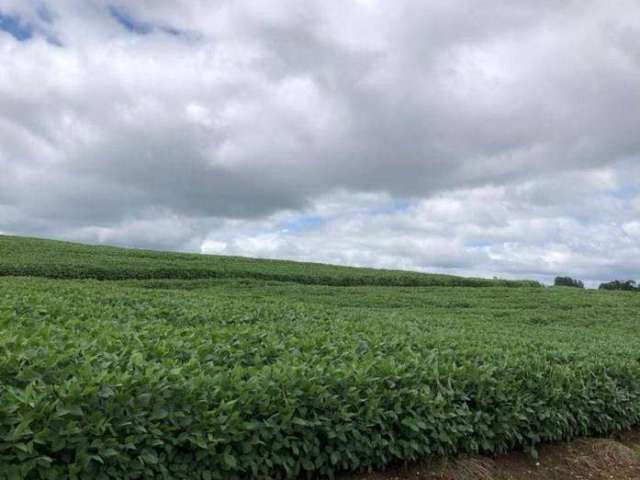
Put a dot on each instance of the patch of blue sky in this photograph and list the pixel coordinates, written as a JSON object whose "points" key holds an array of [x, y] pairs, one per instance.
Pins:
{"points": [[16, 27], [140, 27], [44, 13], [129, 22], [172, 31], [303, 223], [477, 243], [395, 206], [628, 191], [22, 30]]}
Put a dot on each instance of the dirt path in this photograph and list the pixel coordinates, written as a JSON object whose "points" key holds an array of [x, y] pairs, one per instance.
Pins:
{"points": [[583, 459]]}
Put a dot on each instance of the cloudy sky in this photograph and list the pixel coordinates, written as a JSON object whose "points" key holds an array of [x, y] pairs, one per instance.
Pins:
{"points": [[462, 136]]}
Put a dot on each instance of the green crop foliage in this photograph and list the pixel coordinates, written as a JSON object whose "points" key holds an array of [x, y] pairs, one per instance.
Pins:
{"points": [[47, 258], [236, 378]]}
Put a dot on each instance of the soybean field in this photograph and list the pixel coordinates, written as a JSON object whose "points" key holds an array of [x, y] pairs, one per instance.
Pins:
{"points": [[132, 364]]}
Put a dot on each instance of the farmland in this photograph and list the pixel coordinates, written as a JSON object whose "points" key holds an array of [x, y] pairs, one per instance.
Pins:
{"points": [[47, 258], [136, 364]]}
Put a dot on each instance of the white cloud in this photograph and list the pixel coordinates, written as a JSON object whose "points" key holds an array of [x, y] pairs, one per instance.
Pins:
{"points": [[632, 229], [442, 135], [503, 231]]}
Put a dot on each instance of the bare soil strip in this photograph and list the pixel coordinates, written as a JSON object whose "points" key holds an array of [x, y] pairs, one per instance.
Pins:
{"points": [[583, 459]]}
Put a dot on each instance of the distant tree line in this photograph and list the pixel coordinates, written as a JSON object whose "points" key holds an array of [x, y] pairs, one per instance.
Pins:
{"points": [[568, 282], [629, 285]]}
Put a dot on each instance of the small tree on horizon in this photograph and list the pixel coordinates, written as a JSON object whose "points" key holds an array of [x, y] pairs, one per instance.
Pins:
{"points": [[568, 282]]}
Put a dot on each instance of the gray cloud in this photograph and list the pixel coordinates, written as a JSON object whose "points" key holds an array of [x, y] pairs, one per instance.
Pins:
{"points": [[577, 223], [191, 117]]}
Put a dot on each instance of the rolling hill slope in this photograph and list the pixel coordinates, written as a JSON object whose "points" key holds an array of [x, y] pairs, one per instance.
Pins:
{"points": [[22, 256]]}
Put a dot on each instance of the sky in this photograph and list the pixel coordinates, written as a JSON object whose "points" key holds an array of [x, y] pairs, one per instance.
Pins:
{"points": [[472, 137]]}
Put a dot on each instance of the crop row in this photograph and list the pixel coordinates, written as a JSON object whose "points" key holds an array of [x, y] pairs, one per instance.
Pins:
{"points": [[108, 380]]}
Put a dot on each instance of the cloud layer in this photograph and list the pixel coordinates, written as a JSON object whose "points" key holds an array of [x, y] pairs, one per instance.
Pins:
{"points": [[464, 136]]}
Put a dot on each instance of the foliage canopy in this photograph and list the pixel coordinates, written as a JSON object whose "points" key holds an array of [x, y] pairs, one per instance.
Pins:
{"points": [[236, 378]]}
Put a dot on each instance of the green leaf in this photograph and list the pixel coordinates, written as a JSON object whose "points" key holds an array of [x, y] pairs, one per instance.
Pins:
{"points": [[230, 461]]}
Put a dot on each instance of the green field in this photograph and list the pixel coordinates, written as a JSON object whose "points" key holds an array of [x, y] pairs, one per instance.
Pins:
{"points": [[48, 258], [135, 364]]}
